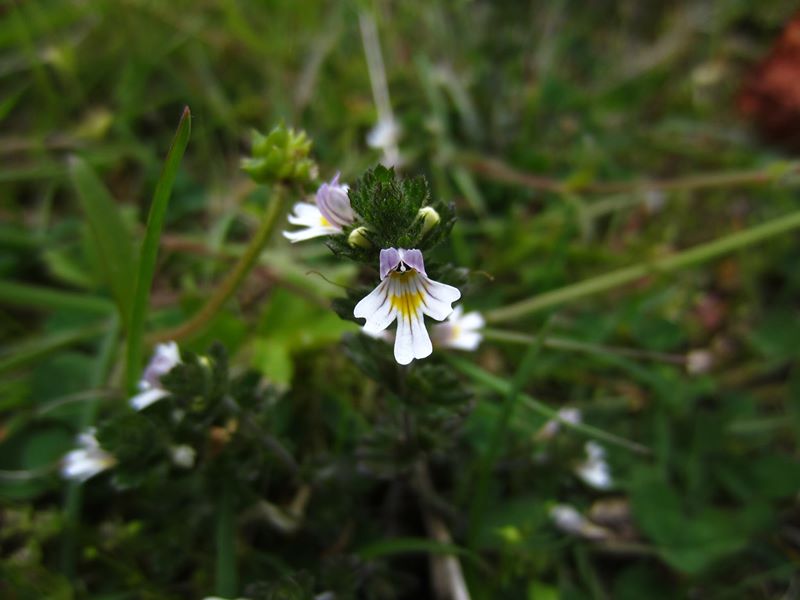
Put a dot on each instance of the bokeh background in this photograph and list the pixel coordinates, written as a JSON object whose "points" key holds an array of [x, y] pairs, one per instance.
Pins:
{"points": [[574, 138]]}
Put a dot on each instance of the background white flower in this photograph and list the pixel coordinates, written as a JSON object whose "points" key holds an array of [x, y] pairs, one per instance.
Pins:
{"points": [[594, 471], [460, 331], [86, 461], [164, 358]]}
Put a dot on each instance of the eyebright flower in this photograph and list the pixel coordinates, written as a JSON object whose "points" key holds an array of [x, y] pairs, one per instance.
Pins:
{"points": [[330, 213], [460, 331], [88, 460], [165, 357], [594, 471], [407, 294]]}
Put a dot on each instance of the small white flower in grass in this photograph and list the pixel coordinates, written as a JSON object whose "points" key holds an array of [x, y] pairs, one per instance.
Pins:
{"points": [[407, 294], [699, 362], [569, 520], [165, 357], [460, 331], [328, 215], [182, 456], [551, 428], [88, 460], [594, 471]]}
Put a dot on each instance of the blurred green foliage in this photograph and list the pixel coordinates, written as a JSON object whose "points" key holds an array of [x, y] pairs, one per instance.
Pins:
{"points": [[578, 92]]}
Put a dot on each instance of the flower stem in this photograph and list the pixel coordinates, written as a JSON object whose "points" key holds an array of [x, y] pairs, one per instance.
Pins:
{"points": [[234, 279], [681, 260]]}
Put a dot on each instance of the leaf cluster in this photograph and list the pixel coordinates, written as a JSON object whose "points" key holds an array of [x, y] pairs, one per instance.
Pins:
{"points": [[387, 208]]}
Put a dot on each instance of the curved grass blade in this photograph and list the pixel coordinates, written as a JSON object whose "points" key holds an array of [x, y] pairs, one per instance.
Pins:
{"points": [[149, 251]]}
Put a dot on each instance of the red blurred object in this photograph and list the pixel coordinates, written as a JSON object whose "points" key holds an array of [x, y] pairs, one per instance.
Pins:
{"points": [[770, 97]]}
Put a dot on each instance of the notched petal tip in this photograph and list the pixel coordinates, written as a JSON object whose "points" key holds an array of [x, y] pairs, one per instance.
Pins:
{"points": [[389, 260]]}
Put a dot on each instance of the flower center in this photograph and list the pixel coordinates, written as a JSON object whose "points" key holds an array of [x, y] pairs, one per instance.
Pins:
{"points": [[406, 302], [324, 222]]}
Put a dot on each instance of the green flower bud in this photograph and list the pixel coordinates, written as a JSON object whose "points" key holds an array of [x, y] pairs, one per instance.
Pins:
{"points": [[358, 238], [430, 218], [280, 156]]}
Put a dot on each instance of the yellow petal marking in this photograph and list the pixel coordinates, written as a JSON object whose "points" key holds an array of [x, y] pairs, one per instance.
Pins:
{"points": [[407, 302]]}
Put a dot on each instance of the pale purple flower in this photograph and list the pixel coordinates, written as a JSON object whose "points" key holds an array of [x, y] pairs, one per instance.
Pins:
{"points": [[460, 331], [328, 215], [594, 471], [165, 357], [407, 294], [86, 461]]}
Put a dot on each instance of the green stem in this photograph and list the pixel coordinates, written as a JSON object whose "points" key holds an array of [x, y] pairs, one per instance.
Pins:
{"points": [[234, 279], [502, 386], [681, 260], [226, 545], [559, 343]]}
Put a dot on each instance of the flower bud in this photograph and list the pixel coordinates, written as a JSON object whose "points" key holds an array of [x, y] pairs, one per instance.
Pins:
{"points": [[430, 218], [281, 155], [358, 238]]}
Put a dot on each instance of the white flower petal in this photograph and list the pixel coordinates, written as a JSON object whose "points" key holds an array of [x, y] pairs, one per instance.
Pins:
{"points": [[594, 471], [309, 216], [465, 340], [412, 340], [377, 307], [144, 399], [438, 298], [308, 233], [471, 321], [165, 357], [80, 465], [305, 213]]}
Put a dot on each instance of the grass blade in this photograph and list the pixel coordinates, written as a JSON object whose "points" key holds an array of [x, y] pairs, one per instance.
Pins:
{"points": [[35, 297], [501, 386], [149, 251], [111, 236]]}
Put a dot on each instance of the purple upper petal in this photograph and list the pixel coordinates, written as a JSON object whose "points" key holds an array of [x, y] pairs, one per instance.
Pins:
{"points": [[390, 259], [413, 258], [334, 204]]}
